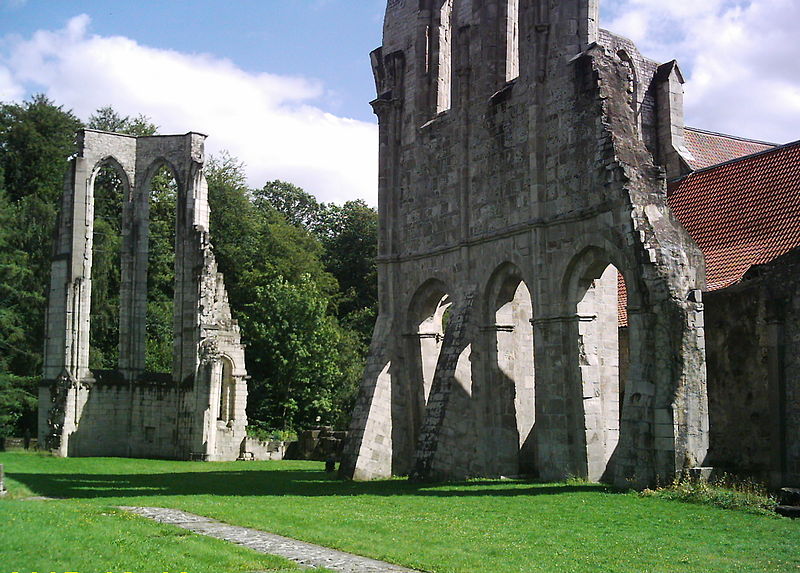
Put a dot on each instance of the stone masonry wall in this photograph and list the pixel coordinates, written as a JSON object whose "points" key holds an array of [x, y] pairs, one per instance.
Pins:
{"points": [[198, 409], [549, 177], [118, 421], [753, 342]]}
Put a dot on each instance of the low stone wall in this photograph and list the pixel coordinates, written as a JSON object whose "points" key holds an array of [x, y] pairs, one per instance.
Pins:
{"points": [[255, 449], [19, 444], [317, 444], [118, 420]]}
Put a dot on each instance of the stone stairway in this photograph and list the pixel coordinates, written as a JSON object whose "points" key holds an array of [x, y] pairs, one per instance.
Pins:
{"points": [[789, 502]]}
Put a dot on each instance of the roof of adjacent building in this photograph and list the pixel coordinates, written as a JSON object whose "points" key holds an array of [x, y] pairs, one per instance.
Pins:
{"points": [[743, 212], [709, 148]]}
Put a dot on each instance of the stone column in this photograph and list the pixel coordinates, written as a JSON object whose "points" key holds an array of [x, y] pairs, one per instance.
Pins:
{"points": [[560, 429]]}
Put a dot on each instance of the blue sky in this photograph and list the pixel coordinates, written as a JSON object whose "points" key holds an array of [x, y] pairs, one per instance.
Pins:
{"points": [[284, 85], [328, 40]]}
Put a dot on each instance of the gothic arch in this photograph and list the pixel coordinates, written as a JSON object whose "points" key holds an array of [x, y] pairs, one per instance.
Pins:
{"points": [[110, 250], [510, 371], [113, 163], [153, 168], [598, 355], [427, 320]]}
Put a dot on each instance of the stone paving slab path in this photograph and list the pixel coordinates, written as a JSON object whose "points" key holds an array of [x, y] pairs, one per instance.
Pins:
{"points": [[306, 554]]}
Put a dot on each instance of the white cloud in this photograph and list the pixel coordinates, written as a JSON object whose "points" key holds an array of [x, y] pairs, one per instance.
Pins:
{"points": [[10, 90], [742, 75], [265, 120]]}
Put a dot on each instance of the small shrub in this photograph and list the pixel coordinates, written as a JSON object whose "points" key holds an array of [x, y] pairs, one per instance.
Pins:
{"points": [[266, 435], [726, 491]]}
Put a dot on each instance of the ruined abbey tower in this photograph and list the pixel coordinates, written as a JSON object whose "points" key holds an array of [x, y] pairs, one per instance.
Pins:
{"points": [[540, 307], [198, 410]]}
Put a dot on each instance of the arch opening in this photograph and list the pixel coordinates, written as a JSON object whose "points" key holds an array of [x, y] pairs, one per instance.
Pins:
{"points": [[602, 361], [428, 316], [227, 392], [109, 189], [512, 40], [511, 391], [162, 195]]}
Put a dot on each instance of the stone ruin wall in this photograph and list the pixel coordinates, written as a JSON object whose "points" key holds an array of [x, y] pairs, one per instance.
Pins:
{"points": [[753, 331], [197, 410], [500, 212]]}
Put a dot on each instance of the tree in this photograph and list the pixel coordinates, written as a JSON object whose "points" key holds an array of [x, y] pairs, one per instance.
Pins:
{"points": [[293, 355], [17, 298], [37, 139], [108, 119], [282, 296], [17, 404], [350, 239], [298, 207], [348, 235]]}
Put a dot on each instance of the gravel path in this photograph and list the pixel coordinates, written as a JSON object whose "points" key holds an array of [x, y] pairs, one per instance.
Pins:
{"points": [[305, 554]]}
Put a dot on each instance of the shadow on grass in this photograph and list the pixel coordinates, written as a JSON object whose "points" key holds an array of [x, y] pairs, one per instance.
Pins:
{"points": [[272, 483]]}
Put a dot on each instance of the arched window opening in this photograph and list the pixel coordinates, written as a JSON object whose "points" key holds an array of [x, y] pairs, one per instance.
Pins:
{"points": [[429, 315], [430, 333], [109, 189], [512, 40], [512, 382], [602, 354], [163, 198], [444, 55], [227, 392]]}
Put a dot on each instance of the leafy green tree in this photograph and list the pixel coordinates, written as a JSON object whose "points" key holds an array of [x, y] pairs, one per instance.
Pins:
{"points": [[17, 404], [348, 235], [300, 209], [283, 297], [108, 119], [36, 140], [350, 239], [293, 355], [17, 298]]}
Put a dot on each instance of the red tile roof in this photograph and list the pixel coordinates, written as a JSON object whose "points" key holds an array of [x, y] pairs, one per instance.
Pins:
{"points": [[709, 148], [741, 213]]}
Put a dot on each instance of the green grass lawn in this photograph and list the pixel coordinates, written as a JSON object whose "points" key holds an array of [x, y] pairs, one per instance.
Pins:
{"points": [[476, 526]]}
